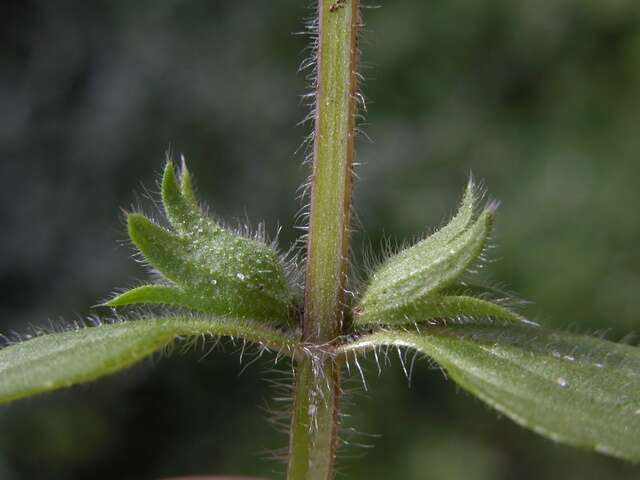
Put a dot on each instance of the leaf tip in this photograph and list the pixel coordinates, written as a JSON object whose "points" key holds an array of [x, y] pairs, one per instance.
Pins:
{"points": [[186, 181], [135, 222], [169, 184]]}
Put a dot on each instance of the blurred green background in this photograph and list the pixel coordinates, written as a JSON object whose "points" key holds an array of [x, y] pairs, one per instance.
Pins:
{"points": [[540, 100]]}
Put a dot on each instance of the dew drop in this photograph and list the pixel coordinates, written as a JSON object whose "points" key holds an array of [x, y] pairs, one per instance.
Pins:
{"points": [[214, 281], [562, 382]]}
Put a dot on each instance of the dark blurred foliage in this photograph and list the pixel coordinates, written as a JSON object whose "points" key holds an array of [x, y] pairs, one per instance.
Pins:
{"points": [[541, 100]]}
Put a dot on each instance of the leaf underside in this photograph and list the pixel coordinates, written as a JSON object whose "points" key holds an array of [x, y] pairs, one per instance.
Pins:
{"points": [[58, 360], [574, 389]]}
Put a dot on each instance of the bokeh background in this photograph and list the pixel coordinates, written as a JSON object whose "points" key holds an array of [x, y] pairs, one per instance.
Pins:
{"points": [[541, 100]]}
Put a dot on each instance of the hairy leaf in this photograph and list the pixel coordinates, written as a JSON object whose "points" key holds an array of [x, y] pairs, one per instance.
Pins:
{"points": [[181, 206], [429, 266], [571, 388], [210, 269], [484, 292], [67, 358], [438, 307]]}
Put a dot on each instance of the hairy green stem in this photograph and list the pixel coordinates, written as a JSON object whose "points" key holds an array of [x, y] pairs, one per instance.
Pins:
{"points": [[328, 242], [314, 424], [314, 420]]}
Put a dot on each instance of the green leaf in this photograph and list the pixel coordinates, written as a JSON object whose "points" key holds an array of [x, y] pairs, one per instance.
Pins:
{"points": [[574, 389], [157, 294], [181, 207], [210, 269], [164, 250], [459, 223], [438, 307], [187, 184], [63, 359], [430, 265], [484, 292]]}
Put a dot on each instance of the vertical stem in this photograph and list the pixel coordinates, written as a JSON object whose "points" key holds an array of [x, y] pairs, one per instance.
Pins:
{"points": [[328, 242], [313, 435], [317, 389]]}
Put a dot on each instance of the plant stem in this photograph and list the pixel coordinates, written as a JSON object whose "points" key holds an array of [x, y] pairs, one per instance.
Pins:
{"points": [[315, 420], [328, 242], [317, 385]]}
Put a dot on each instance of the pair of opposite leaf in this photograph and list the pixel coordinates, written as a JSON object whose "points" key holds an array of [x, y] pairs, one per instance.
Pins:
{"points": [[571, 388], [208, 269]]}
